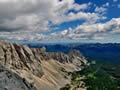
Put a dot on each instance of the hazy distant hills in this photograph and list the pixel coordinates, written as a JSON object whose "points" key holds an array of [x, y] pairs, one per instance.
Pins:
{"points": [[107, 52]]}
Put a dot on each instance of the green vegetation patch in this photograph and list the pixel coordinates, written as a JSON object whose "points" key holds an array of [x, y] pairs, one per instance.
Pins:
{"points": [[99, 76], [99, 79]]}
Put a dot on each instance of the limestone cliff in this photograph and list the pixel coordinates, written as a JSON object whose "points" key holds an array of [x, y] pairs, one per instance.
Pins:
{"points": [[40, 68]]}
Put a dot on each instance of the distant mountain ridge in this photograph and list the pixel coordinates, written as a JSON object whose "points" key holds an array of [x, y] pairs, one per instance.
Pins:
{"points": [[106, 52]]}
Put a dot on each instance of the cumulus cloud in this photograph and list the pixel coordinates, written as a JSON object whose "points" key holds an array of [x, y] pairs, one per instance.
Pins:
{"points": [[118, 5], [27, 19], [98, 31], [102, 9], [95, 31], [115, 0], [89, 17], [107, 4], [25, 14], [21, 36], [39, 15]]}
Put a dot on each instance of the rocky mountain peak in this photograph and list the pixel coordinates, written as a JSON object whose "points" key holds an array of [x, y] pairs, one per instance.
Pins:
{"points": [[35, 64]]}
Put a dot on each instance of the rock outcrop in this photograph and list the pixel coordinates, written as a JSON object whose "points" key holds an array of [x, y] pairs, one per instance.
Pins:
{"points": [[19, 57], [38, 67], [11, 81]]}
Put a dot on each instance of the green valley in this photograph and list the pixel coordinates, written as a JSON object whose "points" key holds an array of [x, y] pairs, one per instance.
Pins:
{"points": [[98, 76]]}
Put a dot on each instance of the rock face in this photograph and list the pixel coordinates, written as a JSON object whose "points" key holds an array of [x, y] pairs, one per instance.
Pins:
{"points": [[11, 81], [32, 64], [18, 57]]}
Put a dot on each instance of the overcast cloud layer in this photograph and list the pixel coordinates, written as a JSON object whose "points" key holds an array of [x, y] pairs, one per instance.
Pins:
{"points": [[28, 19]]}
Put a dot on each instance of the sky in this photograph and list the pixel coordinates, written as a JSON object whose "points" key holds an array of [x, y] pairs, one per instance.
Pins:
{"points": [[84, 21]]}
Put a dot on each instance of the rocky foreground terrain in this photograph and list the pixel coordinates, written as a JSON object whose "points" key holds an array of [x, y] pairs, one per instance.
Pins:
{"points": [[24, 68]]}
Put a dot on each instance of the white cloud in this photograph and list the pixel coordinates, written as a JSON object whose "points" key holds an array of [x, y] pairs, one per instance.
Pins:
{"points": [[101, 10], [78, 7], [96, 31], [26, 19], [89, 17], [106, 4], [36, 15], [115, 0], [118, 5], [21, 36], [25, 13]]}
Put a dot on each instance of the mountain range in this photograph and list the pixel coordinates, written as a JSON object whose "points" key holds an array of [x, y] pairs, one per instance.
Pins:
{"points": [[24, 68], [109, 52]]}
